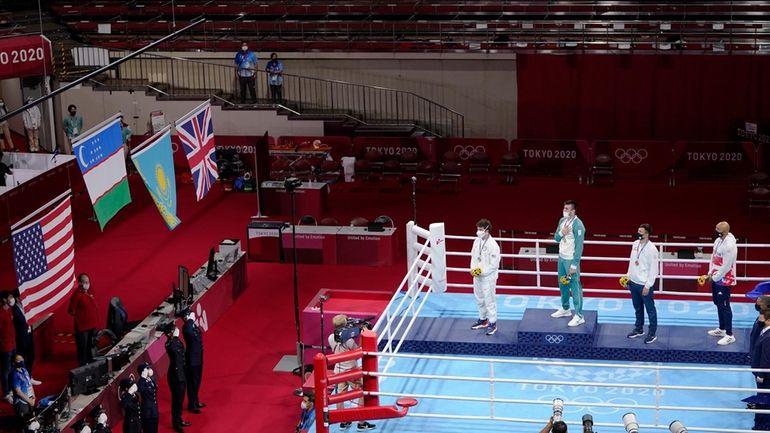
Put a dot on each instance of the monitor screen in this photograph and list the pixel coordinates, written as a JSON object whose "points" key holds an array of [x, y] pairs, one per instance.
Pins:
{"points": [[88, 378], [184, 282]]}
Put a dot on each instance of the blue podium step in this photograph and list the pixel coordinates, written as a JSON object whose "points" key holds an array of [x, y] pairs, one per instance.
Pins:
{"points": [[539, 335]]}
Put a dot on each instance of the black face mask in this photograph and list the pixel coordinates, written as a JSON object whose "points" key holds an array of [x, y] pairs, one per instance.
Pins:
{"points": [[638, 236], [756, 307], [717, 235], [72, 113]]}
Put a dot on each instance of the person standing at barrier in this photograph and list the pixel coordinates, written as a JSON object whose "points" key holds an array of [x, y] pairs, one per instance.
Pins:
{"points": [[307, 416], [83, 308], [23, 393], [7, 345], [5, 130], [340, 344], [148, 392], [640, 279], [32, 119], [193, 357], [245, 69], [722, 276], [485, 261], [274, 70], [73, 127], [760, 358], [25, 344], [177, 381], [570, 234]]}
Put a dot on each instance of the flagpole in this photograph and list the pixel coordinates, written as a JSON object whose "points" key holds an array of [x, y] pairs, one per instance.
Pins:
{"points": [[257, 185], [45, 206], [136, 150]]}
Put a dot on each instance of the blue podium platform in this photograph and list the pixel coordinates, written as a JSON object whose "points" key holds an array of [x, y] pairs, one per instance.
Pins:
{"points": [[537, 334]]}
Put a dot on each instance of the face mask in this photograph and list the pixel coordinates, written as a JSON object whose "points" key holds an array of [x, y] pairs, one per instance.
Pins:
{"points": [[102, 419], [717, 235], [150, 372], [86, 286], [756, 307], [480, 233], [566, 214], [176, 332], [191, 316], [2, 104], [132, 390], [20, 364], [34, 426], [146, 373], [86, 429], [12, 302], [638, 236], [72, 113], [244, 48], [303, 405]]}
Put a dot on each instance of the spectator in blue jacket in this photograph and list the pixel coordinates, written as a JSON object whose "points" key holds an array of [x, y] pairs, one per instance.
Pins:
{"points": [[246, 69], [274, 70], [307, 418]]}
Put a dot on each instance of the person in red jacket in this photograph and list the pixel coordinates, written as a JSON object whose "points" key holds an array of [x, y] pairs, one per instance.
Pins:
{"points": [[7, 344], [83, 307]]}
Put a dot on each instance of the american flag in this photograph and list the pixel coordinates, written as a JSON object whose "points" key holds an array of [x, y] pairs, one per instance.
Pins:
{"points": [[44, 259], [197, 137]]}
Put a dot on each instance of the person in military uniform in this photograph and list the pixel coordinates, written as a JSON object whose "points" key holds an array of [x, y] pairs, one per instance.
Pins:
{"points": [[148, 393], [193, 361], [129, 400], [176, 377], [101, 424]]}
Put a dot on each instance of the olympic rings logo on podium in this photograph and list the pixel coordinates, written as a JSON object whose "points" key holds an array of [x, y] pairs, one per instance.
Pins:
{"points": [[465, 152], [631, 156], [554, 338]]}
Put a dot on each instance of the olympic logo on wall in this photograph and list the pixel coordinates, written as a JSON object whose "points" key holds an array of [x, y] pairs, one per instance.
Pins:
{"points": [[465, 152], [631, 156], [554, 338]]}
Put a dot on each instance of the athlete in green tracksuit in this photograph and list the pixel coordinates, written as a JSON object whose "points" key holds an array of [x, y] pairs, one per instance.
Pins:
{"points": [[570, 234]]}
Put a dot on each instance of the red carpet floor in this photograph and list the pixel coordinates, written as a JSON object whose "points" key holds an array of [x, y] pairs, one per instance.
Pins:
{"points": [[136, 259]]}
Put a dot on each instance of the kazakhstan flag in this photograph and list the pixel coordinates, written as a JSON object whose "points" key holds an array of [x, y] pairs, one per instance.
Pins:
{"points": [[155, 162]]}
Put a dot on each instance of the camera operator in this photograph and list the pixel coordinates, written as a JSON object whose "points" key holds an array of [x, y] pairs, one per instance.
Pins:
{"points": [[554, 427], [337, 344]]}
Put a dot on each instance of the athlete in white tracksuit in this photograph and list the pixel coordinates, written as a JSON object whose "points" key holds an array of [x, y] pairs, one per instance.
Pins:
{"points": [[485, 259]]}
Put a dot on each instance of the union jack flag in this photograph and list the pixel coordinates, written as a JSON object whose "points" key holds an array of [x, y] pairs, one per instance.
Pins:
{"points": [[196, 132]]}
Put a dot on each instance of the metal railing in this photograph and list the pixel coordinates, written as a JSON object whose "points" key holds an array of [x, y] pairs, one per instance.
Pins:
{"points": [[176, 77]]}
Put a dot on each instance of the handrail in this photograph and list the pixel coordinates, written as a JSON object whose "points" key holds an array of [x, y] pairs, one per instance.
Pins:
{"points": [[301, 95]]}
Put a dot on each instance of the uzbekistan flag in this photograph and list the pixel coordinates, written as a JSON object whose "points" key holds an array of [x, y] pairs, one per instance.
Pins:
{"points": [[102, 161]]}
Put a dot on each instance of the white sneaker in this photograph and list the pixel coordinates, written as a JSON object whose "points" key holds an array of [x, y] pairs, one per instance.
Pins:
{"points": [[716, 332], [727, 339], [561, 312], [35, 382], [576, 320]]}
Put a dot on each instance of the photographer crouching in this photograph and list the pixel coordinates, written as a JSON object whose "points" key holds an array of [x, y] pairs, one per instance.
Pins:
{"points": [[343, 339], [556, 425]]}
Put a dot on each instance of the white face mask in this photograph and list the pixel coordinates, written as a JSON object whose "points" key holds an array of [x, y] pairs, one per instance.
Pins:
{"points": [[146, 373], [86, 429], [102, 419], [191, 316], [244, 48], [566, 213], [150, 372], [480, 233], [132, 390], [176, 332], [86, 286], [12, 302]]}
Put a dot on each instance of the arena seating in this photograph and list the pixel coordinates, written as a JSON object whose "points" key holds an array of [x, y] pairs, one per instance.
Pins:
{"points": [[440, 25]]}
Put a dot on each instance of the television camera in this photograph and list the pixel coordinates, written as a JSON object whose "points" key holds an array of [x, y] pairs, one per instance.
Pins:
{"points": [[352, 329]]}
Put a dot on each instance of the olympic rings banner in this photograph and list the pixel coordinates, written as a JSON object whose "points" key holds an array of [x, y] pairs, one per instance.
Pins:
{"points": [[465, 147], [25, 56], [637, 158]]}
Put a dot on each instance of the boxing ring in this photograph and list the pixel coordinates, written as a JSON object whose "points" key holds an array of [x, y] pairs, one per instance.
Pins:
{"points": [[460, 390]]}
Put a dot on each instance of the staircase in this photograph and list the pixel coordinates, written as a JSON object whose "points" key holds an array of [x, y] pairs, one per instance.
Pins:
{"points": [[354, 108]]}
